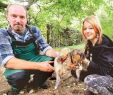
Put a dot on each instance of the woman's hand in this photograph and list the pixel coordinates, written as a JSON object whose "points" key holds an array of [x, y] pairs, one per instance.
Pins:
{"points": [[86, 62], [72, 66]]}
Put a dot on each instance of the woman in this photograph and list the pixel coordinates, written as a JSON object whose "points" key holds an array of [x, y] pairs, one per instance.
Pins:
{"points": [[99, 52]]}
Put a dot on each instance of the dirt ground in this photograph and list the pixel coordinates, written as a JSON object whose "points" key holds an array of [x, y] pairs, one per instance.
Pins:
{"points": [[68, 87]]}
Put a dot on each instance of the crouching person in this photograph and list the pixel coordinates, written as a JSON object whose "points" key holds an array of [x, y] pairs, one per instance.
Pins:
{"points": [[99, 52], [19, 49]]}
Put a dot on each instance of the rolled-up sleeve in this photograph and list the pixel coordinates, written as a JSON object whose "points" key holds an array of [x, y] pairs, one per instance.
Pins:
{"points": [[6, 51], [44, 46]]}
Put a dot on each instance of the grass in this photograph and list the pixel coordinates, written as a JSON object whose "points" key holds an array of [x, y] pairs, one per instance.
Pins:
{"points": [[79, 46]]}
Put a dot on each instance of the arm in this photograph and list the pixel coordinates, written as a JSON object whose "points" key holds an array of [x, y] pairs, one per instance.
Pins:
{"points": [[103, 62], [52, 53], [44, 47], [15, 63], [8, 60]]}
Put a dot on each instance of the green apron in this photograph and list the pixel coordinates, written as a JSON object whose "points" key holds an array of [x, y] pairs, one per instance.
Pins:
{"points": [[27, 52]]}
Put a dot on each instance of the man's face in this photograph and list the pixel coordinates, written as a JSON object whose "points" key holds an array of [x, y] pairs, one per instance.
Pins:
{"points": [[17, 19]]}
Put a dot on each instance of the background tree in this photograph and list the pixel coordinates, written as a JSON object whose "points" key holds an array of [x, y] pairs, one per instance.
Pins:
{"points": [[60, 20]]}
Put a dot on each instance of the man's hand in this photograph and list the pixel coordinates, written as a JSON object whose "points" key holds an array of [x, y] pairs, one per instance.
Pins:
{"points": [[46, 66], [52, 53]]}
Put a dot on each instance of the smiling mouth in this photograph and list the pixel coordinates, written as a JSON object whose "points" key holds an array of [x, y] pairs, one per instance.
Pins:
{"points": [[88, 35], [17, 25]]}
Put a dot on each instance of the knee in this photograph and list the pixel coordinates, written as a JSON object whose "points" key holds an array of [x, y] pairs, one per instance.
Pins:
{"points": [[18, 80], [87, 79], [18, 77], [90, 81]]}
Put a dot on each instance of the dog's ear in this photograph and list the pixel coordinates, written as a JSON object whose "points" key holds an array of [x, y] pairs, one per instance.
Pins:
{"points": [[59, 60], [64, 52], [82, 55]]}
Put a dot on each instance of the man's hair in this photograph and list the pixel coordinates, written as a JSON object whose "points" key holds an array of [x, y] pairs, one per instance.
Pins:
{"points": [[7, 9]]}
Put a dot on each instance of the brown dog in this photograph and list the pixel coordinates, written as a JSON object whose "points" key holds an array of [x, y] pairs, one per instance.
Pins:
{"points": [[66, 61], [79, 60], [61, 65]]}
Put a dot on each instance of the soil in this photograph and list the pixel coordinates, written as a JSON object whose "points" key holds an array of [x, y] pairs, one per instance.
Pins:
{"points": [[67, 87]]}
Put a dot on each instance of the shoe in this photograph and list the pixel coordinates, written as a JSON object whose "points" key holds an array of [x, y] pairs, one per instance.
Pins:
{"points": [[34, 86], [44, 86], [88, 93], [12, 92]]}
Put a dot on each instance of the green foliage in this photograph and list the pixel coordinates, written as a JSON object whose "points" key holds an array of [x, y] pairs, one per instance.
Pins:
{"points": [[62, 14], [107, 26], [65, 10], [107, 19], [80, 46], [3, 22]]}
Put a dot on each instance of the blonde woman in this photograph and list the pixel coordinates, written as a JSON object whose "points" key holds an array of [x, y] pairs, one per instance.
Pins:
{"points": [[99, 52]]}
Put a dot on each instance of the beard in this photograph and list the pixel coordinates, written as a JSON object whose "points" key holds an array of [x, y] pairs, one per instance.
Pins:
{"points": [[18, 29]]}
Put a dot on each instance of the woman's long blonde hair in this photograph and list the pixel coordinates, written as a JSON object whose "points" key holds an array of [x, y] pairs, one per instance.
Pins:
{"points": [[94, 21]]}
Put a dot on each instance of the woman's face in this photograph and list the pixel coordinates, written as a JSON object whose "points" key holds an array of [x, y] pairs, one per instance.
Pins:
{"points": [[89, 31]]}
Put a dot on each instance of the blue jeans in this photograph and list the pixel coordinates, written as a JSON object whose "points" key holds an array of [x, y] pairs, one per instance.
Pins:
{"points": [[102, 85], [20, 79]]}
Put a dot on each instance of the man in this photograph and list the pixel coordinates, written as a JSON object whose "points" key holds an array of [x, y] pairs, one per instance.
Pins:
{"points": [[19, 49]]}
